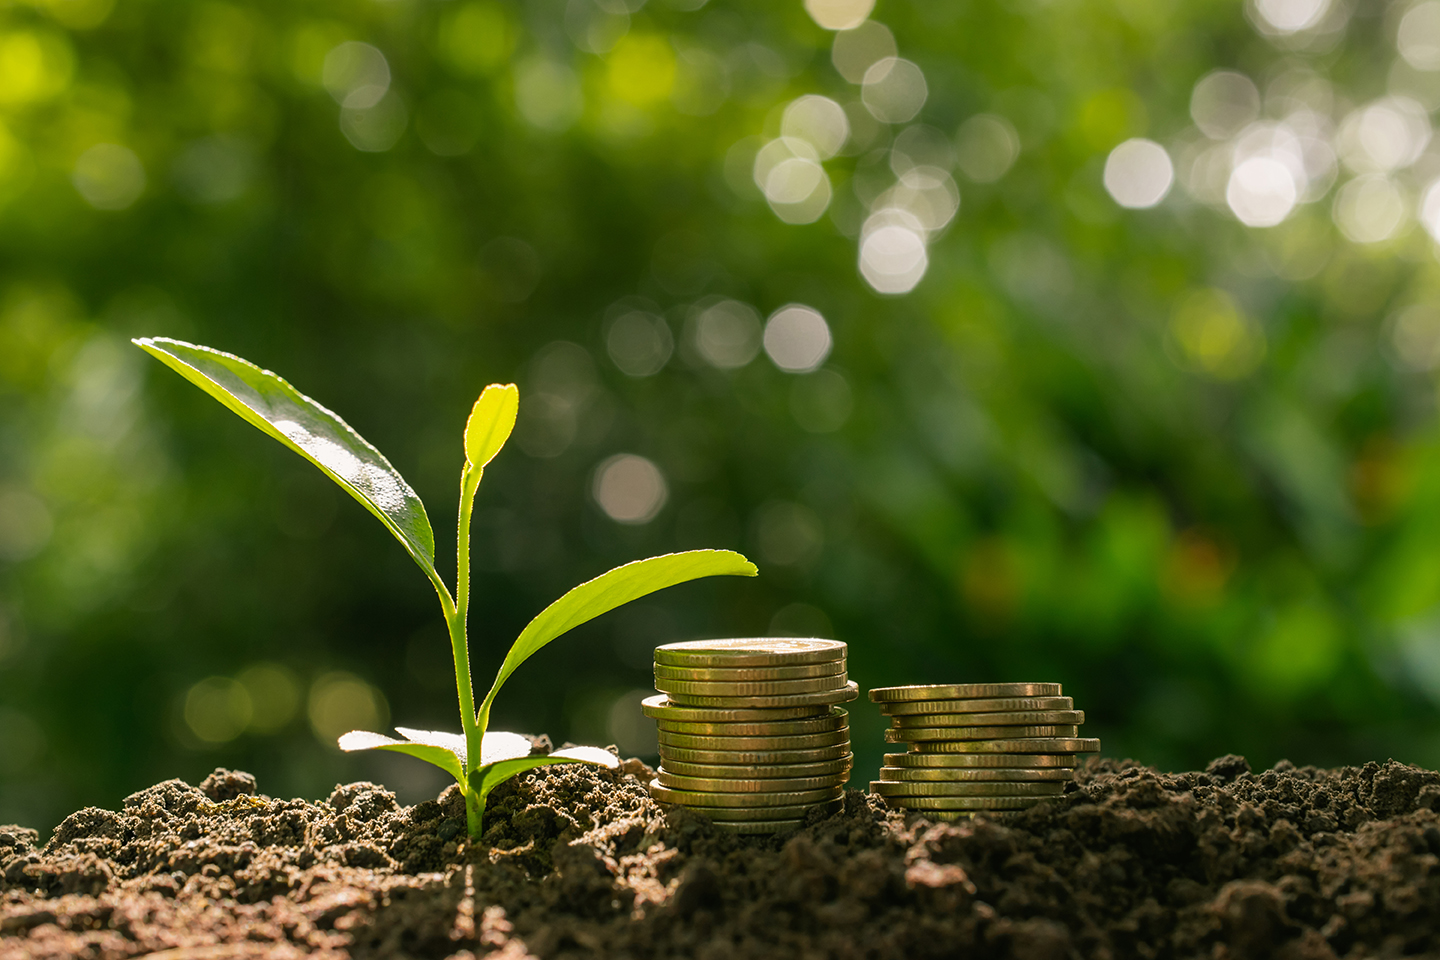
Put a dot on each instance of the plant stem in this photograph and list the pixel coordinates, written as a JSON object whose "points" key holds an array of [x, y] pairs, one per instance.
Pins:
{"points": [[474, 813], [459, 644]]}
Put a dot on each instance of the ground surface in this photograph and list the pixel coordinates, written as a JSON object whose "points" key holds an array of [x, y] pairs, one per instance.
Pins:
{"points": [[579, 862]]}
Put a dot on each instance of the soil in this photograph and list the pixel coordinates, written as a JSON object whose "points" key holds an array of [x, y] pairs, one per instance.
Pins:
{"points": [[580, 862]]}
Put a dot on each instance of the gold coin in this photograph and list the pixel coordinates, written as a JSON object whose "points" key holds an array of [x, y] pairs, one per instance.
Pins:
{"points": [[963, 691], [947, 734], [757, 826], [1014, 718], [972, 774], [980, 761], [892, 788], [699, 798], [1006, 704], [754, 688], [730, 744], [772, 728], [752, 652], [962, 803], [726, 785], [739, 771], [848, 692], [791, 812], [661, 707], [756, 757], [797, 671], [1061, 745]]}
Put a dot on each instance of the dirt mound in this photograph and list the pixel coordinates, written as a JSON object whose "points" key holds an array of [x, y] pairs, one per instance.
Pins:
{"points": [[580, 862]]}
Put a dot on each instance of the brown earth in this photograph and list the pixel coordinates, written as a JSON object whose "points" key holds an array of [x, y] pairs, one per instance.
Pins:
{"points": [[580, 862]]}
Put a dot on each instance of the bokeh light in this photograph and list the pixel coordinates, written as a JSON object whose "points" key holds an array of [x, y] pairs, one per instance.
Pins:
{"points": [[1415, 336], [1418, 36], [839, 14], [218, 709], [1261, 192], [926, 194], [35, 65], [1430, 210], [1370, 209], [340, 702], [893, 258], [789, 174], [819, 121], [1289, 16], [548, 94], [639, 343], [1223, 103], [1138, 173], [596, 27], [797, 338], [1215, 336], [919, 145], [274, 693], [854, 51], [377, 127], [630, 489], [1384, 136], [894, 90], [356, 74], [986, 147], [109, 176], [726, 333]]}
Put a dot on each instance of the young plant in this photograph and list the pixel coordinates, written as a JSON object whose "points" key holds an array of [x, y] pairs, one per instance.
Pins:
{"points": [[478, 759]]}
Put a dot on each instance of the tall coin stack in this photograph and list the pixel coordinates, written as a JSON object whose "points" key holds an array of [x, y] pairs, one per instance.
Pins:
{"points": [[751, 734], [978, 746]]}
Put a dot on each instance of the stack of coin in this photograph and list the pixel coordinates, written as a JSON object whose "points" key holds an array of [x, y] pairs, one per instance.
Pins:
{"points": [[978, 746], [751, 734]]}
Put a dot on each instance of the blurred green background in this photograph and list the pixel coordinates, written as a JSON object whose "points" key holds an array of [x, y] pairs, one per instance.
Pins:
{"points": [[1152, 413]]}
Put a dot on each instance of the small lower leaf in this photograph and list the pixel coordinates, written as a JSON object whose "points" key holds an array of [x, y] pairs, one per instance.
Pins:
{"points": [[454, 742], [595, 755], [441, 757], [499, 745]]}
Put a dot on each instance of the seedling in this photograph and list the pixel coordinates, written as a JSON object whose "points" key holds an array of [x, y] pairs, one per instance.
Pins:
{"points": [[478, 760]]}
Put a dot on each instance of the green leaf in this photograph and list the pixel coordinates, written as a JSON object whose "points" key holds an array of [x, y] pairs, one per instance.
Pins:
{"points": [[491, 421], [443, 758], [273, 406], [610, 590], [454, 742], [499, 745], [489, 777]]}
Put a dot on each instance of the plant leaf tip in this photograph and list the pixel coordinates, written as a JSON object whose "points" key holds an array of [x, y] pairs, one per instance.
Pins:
{"points": [[491, 421]]}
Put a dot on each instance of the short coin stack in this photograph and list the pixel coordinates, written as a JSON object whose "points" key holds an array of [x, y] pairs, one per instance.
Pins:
{"points": [[978, 746], [750, 731]]}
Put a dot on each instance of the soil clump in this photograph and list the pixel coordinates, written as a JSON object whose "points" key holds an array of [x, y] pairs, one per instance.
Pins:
{"points": [[580, 862]]}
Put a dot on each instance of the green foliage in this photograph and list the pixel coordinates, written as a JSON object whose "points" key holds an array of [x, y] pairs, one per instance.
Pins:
{"points": [[491, 421], [610, 590], [277, 409]]}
